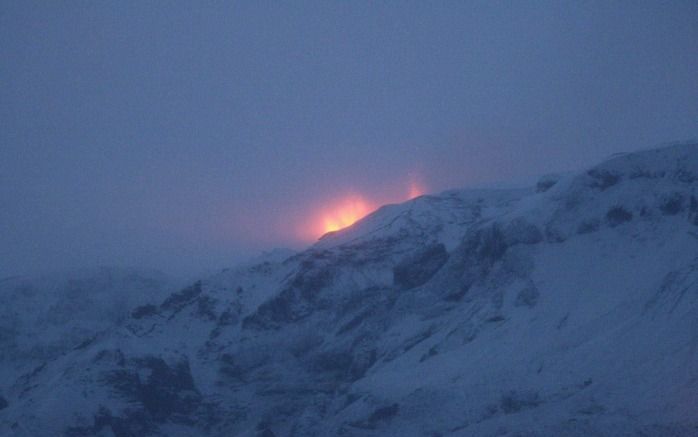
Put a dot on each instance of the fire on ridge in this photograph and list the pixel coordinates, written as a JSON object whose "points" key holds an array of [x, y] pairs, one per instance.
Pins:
{"points": [[340, 214]]}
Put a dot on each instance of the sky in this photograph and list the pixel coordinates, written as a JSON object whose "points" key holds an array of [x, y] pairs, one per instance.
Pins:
{"points": [[186, 136]]}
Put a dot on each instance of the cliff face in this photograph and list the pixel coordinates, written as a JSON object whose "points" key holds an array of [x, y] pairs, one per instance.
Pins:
{"points": [[564, 309]]}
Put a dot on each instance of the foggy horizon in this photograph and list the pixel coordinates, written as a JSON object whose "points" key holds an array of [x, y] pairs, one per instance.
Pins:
{"points": [[189, 138]]}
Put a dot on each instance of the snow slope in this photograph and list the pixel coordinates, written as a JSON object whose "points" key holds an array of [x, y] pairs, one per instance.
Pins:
{"points": [[46, 316], [566, 309]]}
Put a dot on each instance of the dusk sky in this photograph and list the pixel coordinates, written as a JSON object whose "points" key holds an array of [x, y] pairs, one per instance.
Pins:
{"points": [[187, 135]]}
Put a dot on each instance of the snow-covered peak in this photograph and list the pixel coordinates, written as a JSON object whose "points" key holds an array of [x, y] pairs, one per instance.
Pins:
{"points": [[563, 309], [426, 219]]}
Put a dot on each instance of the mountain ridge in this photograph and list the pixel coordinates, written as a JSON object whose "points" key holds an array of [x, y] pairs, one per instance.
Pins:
{"points": [[561, 309]]}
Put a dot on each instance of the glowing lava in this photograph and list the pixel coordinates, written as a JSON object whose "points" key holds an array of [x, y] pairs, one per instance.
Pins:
{"points": [[345, 213]]}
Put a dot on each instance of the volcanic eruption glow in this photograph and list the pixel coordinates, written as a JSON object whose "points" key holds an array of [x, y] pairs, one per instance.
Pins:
{"points": [[416, 190], [345, 213]]}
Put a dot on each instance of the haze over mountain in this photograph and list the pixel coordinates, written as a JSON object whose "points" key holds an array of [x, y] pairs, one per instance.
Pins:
{"points": [[192, 135], [565, 308]]}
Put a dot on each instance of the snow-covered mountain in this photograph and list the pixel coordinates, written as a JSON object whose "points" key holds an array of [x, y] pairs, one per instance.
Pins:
{"points": [[566, 309], [45, 317]]}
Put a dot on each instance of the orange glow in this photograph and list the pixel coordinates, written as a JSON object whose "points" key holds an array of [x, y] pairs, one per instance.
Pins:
{"points": [[336, 215], [345, 214], [416, 190]]}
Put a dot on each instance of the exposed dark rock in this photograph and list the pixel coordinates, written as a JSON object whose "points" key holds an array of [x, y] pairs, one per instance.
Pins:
{"points": [[227, 318], [298, 300], [311, 279], [355, 321], [672, 205], [419, 268], [114, 356], [368, 300], [144, 311], [553, 234], [519, 231], [231, 369], [588, 226], [285, 308], [618, 215], [180, 299], [458, 294], [490, 245], [408, 344], [528, 296], [383, 414], [432, 352], [168, 391], [646, 174], [475, 258], [346, 364], [206, 307], [685, 176], [364, 356], [603, 179], [514, 402], [165, 392], [27, 377], [379, 416], [546, 182], [83, 344], [693, 208], [415, 340], [675, 287]]}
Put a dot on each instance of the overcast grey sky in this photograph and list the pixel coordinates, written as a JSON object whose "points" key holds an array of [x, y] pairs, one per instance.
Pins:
{"points": [[184, 135]]}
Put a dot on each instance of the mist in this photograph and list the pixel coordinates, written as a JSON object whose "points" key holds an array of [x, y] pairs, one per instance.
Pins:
{"points": [[190, 137]]}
